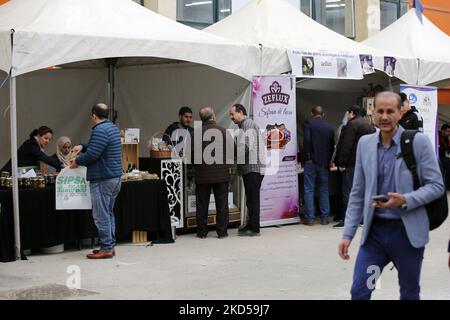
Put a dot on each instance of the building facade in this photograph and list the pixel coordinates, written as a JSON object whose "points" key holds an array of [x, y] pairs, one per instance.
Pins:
{"points": [[355, 19]]}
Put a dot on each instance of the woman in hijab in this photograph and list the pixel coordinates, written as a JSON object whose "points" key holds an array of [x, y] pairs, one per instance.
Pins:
{"points": [[63, 150]]}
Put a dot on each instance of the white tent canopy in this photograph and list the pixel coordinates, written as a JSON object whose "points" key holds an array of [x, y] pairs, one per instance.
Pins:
{"points": [[36, 34], [278, 24], [411, 37], [54, 32]]}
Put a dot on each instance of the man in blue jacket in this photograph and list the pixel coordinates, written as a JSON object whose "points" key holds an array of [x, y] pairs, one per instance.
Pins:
{"points": [[318, 147], [103, 158], [395, 229]]}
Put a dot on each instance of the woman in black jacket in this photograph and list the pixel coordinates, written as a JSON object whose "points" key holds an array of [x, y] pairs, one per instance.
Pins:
{"points": [[31, 152]]}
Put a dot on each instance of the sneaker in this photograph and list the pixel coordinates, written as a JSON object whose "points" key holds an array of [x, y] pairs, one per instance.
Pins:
{"points": [[201, 236], [339, 225], [222, 236], [307, 223], [324, 222]]}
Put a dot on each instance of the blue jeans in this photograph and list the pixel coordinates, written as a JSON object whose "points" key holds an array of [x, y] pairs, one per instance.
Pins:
{"points": [[312, 171], [103, 196], [383, 245]]}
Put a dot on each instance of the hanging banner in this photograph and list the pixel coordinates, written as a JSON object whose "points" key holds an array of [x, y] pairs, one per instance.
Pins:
{"points": [[325, 64], [426, 103], [274, 111]]}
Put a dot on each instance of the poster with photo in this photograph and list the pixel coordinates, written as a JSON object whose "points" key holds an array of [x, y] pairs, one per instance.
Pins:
{"points": [[389, 66], [325, 64], [341, 67], [366, 63], [308, 65]]}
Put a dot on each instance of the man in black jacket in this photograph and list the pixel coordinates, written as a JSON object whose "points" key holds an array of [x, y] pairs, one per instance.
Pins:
{"points": [[444, 151], [411, 119], [356, 127]]}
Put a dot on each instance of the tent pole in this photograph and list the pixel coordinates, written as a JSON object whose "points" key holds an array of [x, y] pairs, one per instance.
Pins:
{"points": [[111, 62], [14, 166], [260, 59], [110, 89], [418, 71]]}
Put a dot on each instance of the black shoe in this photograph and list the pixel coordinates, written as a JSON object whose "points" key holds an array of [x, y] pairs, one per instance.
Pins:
{"points": [[242, 229], [222, 236], [340, 225], [248, 233], [201, 236]]}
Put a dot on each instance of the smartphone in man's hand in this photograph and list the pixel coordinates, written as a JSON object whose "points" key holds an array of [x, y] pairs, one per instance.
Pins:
{"points": [[380, 198]]}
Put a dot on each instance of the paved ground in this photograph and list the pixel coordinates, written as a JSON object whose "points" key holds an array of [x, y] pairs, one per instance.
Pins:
{"points": [[290, 262]]}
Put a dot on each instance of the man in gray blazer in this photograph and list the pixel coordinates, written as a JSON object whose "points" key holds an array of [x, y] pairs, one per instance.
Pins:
{"points": [[396, 230]]}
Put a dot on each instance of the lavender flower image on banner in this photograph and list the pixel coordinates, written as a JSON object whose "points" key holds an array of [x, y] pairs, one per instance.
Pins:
{"points": [[256, 85]]}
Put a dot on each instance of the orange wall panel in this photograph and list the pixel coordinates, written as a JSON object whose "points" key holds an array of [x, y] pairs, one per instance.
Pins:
{"points": [[438, 11], [444, 96]]}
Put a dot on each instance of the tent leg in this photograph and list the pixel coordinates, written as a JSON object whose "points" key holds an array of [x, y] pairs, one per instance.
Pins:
{"points": [[110, 86], [14, 166], [111, 89]]}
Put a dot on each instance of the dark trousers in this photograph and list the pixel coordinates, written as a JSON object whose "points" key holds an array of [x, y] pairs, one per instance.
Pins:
{"points": [[203, 193], [446, 166], [252, 184], [384, 244], [347, 183]]}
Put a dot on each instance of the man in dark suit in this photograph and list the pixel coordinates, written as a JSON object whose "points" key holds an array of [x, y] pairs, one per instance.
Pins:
{"points": [[318, 145]]}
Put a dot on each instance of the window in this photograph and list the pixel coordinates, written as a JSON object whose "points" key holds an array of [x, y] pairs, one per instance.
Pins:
{"points": [[305, 6], [202, 13], [337, 15], [391, 10]]}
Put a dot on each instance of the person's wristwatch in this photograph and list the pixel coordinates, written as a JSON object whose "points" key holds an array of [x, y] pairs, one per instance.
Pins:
{"points": [[404, 206]]}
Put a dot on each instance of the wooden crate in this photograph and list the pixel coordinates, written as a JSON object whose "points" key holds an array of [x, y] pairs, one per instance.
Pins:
{"points": [[130, 156]]}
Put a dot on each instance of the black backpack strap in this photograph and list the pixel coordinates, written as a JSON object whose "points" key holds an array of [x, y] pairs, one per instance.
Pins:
{"points": [[407, 149]]}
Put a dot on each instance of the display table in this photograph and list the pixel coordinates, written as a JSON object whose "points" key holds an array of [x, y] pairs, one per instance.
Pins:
{"points": [[140, 205]]}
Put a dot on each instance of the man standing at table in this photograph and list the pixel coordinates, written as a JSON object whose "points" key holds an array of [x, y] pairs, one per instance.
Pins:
{"points": [[208, 154], [252, 170], [103, 158], [177, 132]]}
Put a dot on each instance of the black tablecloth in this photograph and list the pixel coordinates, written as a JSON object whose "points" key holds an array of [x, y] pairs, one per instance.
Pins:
{"points": [[140, 206]]}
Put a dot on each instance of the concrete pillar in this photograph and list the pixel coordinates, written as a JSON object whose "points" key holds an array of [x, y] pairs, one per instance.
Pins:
{"points": [[167, 8], [367, 18]]}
